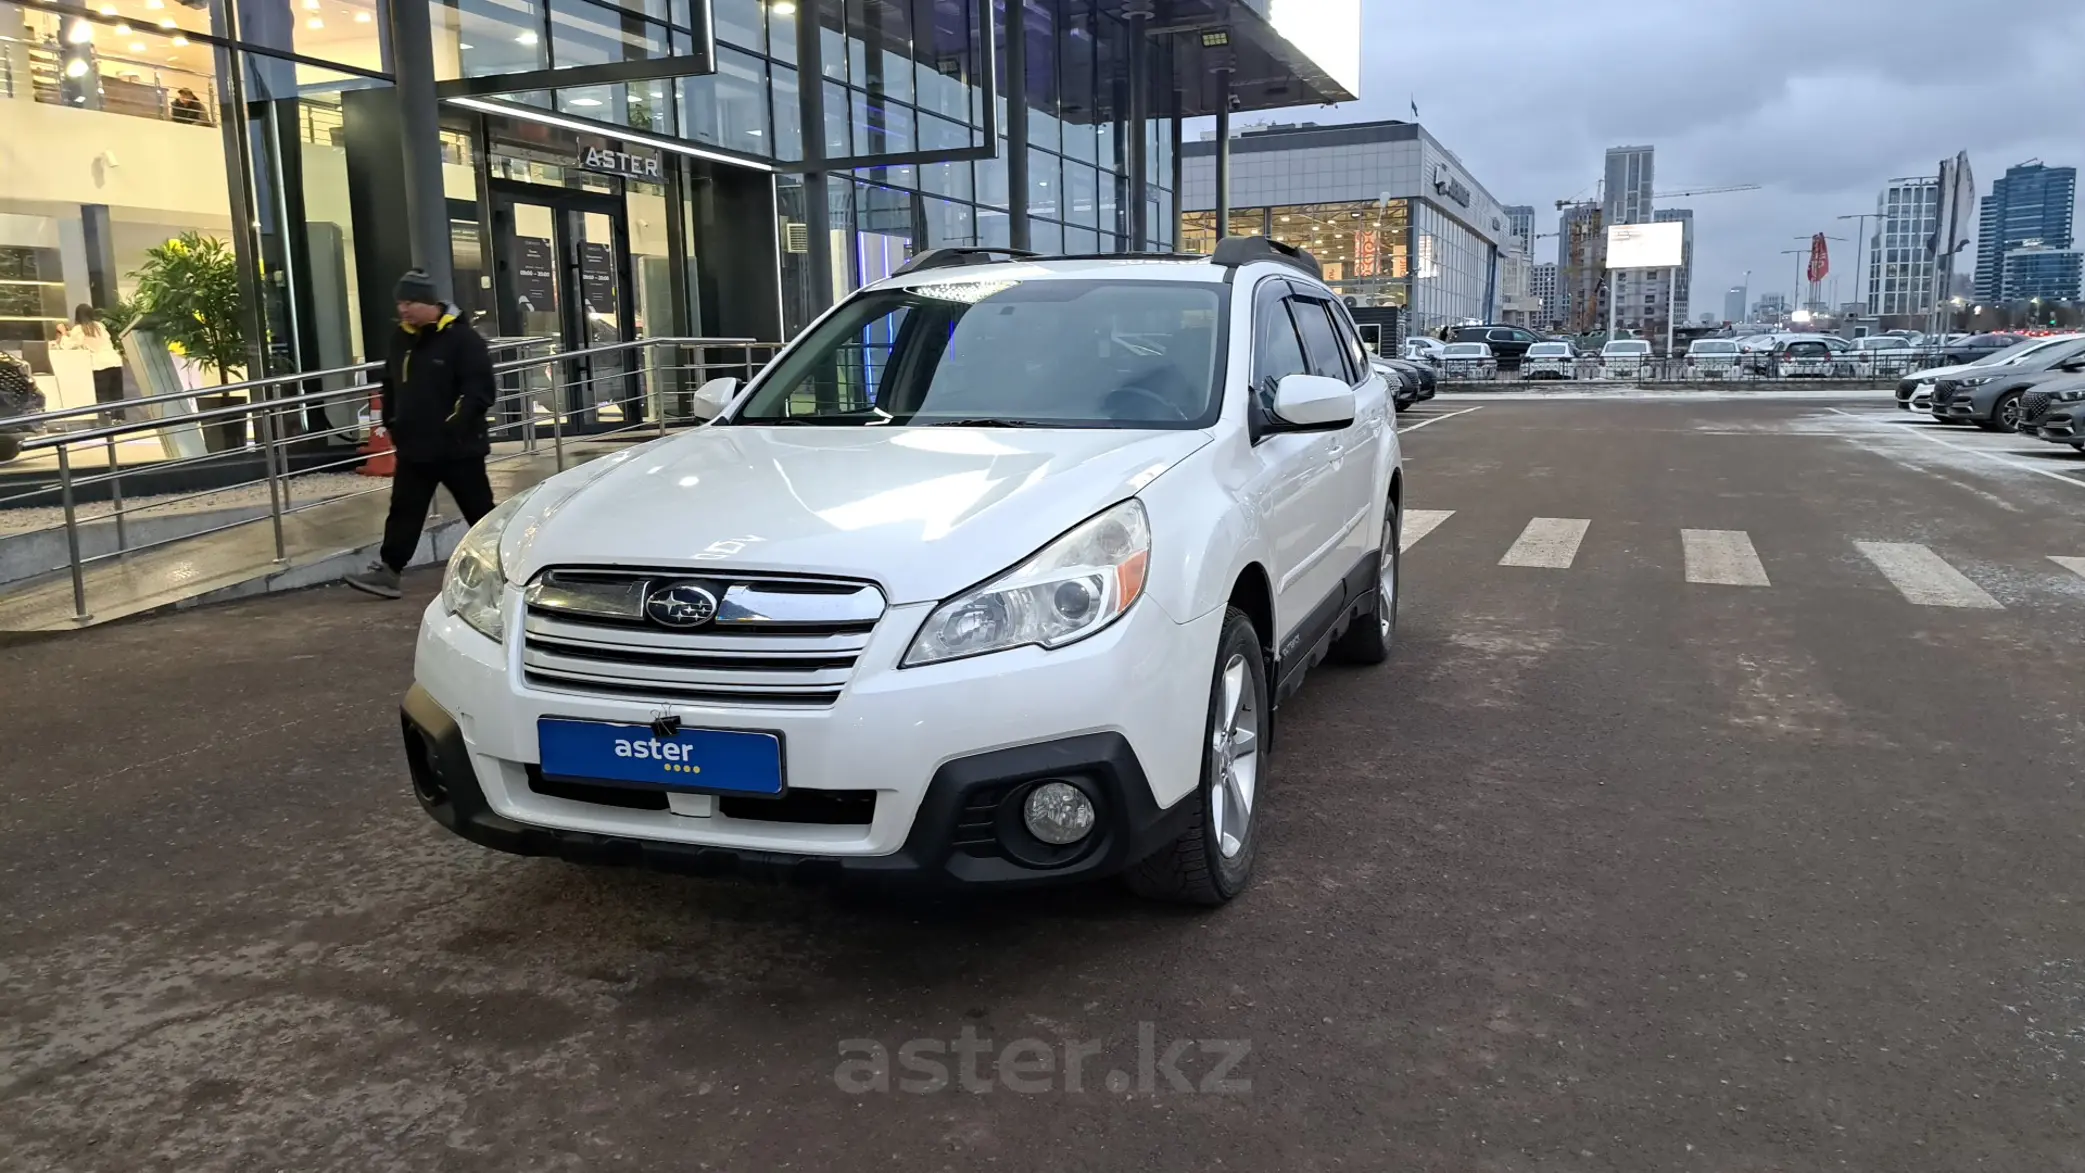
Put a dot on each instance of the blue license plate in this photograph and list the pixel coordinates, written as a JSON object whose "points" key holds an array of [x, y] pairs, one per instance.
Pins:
{"points": [[693, 759]]}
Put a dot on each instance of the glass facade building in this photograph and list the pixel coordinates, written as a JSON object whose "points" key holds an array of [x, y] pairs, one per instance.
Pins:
{"points": [[608, 169], [1902, 276], [1391, 215], [2032, 206]]}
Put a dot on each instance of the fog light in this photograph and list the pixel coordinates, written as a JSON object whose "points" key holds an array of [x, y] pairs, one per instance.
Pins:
{"points": [[1058, 813]]}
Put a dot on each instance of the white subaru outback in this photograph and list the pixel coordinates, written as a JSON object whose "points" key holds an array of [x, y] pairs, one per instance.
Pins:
{"points": [[994, 577]]}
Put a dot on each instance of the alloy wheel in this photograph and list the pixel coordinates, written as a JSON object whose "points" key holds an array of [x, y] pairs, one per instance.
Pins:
{"points": [[1386, 580], [1234, 744]]}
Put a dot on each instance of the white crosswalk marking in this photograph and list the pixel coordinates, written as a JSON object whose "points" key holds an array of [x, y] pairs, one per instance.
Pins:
{"points": [[1722, 557], [1550, 542], [1418, 523], [2074, 565], [1923, 577]]}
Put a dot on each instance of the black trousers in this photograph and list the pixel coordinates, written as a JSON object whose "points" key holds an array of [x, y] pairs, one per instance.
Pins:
{"points": [[412, 491]]}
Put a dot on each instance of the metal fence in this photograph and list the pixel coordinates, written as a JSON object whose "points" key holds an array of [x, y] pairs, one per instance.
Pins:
{"points": [[599, 392], [1852, 369]]}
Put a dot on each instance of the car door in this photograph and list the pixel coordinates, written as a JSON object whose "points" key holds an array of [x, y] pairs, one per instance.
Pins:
{"points": [[1364, 446], [1351, 450], [1299, 497]]}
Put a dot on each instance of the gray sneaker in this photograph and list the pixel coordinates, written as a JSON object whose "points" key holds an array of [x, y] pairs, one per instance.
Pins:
{"points": [[379, 580]]}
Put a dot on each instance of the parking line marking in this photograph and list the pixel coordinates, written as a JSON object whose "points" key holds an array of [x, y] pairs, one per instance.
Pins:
{"points": [[1418, 523], [2074, 565], [1549, 542], [1923, 433], [1437, 419], [1722, 557], [1924, 577]]}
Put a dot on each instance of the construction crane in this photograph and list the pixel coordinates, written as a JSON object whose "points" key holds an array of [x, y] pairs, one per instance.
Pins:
{"points": [[1699, 191]]}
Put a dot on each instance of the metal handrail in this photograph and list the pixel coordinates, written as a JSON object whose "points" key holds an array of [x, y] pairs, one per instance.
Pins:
{"points": [[267, 412], [495, 344]]}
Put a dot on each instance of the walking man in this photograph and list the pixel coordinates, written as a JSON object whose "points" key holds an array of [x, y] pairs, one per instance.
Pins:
{"points": [[437, 389]]}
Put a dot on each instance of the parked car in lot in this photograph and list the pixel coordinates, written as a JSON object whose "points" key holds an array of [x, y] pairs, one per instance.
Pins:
{"points": [[2060, 393], [1624, 358], [1809, 358], [1469, 360], [1550, 360], [1881, 356], [1509, 344], [1990, 397], [1961, 351], [1410, 382], [1426, 350], [1916, 390], [1022, 601], [1712, 358]]}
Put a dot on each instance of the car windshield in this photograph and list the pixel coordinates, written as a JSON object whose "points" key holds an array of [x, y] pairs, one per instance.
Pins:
{"points": [[1626, 349], [2013, 355], [1051, 353], [1714, 348]]}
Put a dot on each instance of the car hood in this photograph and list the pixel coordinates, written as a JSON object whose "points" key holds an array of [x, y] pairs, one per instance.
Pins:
{"points": [[924, 512], [1931, 374]]}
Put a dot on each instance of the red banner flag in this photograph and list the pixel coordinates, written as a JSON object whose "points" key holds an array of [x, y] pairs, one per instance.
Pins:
{"points": [[1820, 258]]}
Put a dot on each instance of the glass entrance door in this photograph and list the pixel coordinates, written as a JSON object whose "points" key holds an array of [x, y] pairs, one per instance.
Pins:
{"points": [[562, 272]]}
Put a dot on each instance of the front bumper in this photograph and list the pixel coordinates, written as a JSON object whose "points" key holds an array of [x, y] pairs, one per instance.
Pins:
{"points": [[912, 775]]}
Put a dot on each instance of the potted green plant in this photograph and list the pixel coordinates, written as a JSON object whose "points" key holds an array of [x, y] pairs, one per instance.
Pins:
{"points": [[188, 296]]}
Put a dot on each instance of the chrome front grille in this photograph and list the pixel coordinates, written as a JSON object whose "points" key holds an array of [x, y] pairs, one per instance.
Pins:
{"points": [[2034, 405], [772, 641]]}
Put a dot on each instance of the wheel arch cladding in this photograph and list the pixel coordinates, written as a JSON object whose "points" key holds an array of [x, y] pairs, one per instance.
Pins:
{"points": [[1253, 593]]}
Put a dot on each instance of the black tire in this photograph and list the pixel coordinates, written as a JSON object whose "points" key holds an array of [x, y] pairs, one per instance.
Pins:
{"points": [[1369, 640], [2008, 405], [1194, 869]]}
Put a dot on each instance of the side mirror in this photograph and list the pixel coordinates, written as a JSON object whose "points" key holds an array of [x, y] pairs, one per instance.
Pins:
{"points": [[714, 396], [2075, 365], [1313, 403]]}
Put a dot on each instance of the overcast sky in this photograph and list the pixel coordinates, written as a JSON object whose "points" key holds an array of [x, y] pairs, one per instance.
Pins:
{"points": [[1820, 104]]}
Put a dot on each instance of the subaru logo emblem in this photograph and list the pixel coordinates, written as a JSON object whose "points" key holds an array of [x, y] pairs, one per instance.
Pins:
{"points": [[681, 604]]}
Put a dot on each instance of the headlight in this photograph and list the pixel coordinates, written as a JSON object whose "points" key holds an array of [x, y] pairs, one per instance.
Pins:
{"points": [[474, 586], [1974, 380], [2070, 396], [1070, 589]]}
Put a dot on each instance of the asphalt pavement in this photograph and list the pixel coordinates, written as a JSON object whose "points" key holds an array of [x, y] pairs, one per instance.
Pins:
{"points": [[1719, 810]]}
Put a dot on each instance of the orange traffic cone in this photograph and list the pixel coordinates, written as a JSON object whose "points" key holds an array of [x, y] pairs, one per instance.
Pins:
{"points": [[383, 460]]}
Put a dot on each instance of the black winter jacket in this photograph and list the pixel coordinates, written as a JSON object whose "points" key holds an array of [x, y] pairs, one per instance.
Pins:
{"points": [[438, 389]]}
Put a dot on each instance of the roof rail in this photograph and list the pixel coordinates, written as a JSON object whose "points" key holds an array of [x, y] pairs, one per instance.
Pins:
{"points": [[1234, 251], [948, 258]]}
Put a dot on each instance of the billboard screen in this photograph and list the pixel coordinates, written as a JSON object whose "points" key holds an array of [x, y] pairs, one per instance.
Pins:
{"points": [[1646, 246]]}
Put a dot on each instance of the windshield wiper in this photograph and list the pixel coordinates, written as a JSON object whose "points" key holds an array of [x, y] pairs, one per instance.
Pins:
{"points": [[990, 422]]}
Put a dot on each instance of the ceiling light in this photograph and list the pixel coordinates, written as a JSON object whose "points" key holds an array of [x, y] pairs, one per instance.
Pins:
{"points": [[155, 5], [77, 67], [314, 23], [526, 39], [785, 7], [122, 30], [180, 40], [108, 10], [167, 23], [81, 33], [361, 18], [311, 5], [1215, 38], [466, 46], [585, 102], [137, 46]]}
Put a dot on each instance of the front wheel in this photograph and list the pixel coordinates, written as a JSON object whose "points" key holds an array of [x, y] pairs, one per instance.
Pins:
{"points": [[2005, 414], [1211, 861]]}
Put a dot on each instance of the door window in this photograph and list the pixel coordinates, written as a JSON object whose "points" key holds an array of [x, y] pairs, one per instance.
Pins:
{"points": [[1277, 351], [1314, 322]]}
